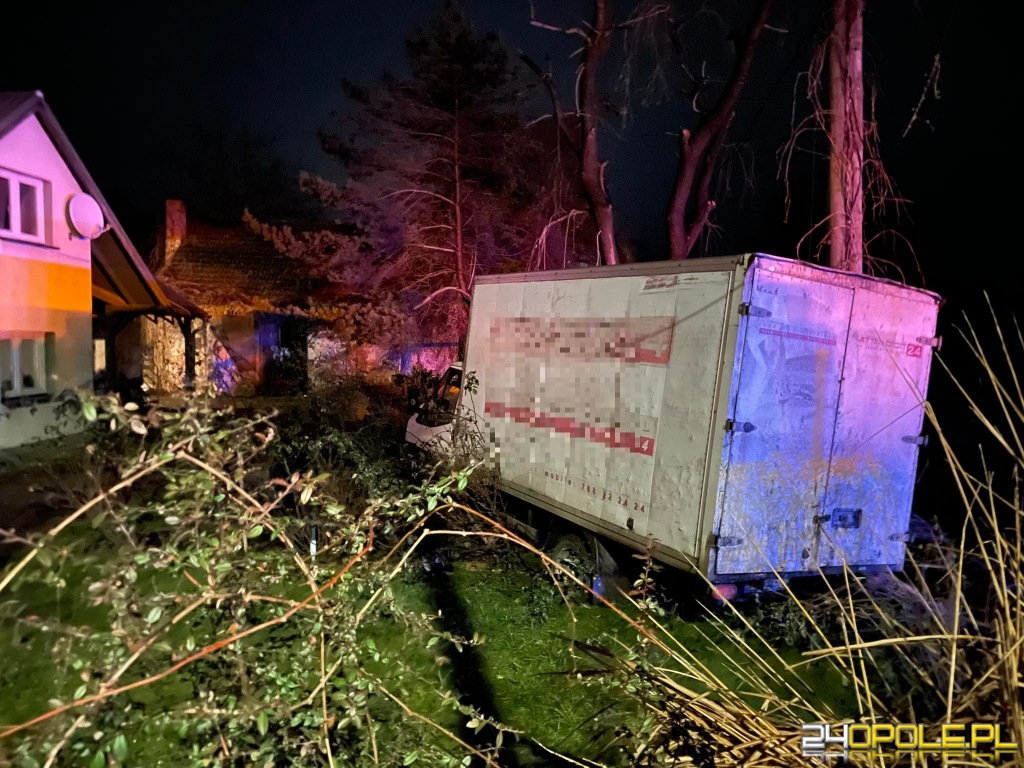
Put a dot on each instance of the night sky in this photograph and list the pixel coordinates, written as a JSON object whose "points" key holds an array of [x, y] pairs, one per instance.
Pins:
{"points": [[130, 84]]}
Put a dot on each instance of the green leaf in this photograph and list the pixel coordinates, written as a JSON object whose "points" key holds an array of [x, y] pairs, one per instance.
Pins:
{"points": [[99, 760], [79, 692], [255, 531], [89, 412], [154, 615], [142, 558], [44, 557], [410, 757], [262, 723], [461, 485], [431, 503], [121, 747], [306, 495]]}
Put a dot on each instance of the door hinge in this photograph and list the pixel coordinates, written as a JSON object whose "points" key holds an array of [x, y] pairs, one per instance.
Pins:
{"points": [[746, 308], [728, 541], [738, 426], [916, 439], [931, 341]]}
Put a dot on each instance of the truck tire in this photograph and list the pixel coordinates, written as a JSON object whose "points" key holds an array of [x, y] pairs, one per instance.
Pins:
{"points": [[575, 552]]}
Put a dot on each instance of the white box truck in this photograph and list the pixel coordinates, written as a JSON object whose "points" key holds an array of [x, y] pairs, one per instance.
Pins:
{"points": [[751, 416]]}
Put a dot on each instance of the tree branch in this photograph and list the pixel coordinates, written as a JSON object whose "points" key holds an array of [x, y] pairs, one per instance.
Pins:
{"points": [[535, 22], [699, 152], [224, 642], [556, 110], [439, 291]]}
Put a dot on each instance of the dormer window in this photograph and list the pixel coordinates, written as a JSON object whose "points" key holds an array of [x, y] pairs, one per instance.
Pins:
{"points": [[21, 207]]}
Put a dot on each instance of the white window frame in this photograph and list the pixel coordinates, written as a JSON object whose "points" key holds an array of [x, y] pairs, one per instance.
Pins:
{"points": [[15, 369], [15, 180]]}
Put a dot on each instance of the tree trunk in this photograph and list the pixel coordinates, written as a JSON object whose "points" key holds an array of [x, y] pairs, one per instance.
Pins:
{"points": [[846, 161], [462, 279], [592, 169]]}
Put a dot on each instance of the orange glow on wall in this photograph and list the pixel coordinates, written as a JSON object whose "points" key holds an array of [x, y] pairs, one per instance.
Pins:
{"points": [[26, 283]]}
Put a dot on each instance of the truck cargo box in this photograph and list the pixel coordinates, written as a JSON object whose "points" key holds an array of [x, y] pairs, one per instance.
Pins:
{"points": [[750, 415]]}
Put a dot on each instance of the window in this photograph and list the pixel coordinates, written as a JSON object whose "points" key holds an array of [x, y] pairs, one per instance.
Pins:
{"points": [[21, 206], [448, 392], [26, 365]]}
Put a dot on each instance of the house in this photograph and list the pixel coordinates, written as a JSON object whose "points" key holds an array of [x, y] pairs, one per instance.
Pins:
{"points": [[69, 275], [255, 298]]}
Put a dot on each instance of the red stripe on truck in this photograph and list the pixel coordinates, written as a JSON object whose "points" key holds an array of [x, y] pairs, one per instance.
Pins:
{"points": [[613, 438]]}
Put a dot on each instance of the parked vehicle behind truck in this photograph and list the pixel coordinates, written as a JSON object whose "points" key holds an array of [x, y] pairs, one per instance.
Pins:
{"points": [[754, 417]]}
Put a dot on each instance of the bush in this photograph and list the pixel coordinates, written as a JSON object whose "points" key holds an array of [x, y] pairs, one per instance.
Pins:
{"points": [[190, 621]]}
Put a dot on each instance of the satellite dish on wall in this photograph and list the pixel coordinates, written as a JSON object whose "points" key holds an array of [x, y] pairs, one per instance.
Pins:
{"points": [[85, 217]]}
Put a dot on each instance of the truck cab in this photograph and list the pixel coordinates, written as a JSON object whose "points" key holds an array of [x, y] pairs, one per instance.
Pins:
{"points": [[431, 424]]}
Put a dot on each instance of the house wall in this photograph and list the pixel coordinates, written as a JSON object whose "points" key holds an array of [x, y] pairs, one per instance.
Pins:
{"points": [[164, 361], [47, 287]]}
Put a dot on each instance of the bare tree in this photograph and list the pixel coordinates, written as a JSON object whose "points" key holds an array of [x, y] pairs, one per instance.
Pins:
{"points": [[596, 39], [699, 151], [654, 59]]}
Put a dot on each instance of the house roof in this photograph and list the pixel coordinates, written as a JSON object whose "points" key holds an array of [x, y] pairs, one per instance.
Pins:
{"points": [[229, 270], [121, 279]]}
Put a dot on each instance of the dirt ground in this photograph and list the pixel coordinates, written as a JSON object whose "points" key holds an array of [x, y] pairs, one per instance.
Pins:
{"points": [[37, 483]]}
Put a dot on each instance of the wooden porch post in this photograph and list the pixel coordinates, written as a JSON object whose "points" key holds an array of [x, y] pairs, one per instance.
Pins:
{"points": [[185, 323]]}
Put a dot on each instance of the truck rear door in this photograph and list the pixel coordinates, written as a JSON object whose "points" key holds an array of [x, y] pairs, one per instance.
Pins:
{"points": [[881, 409], [785, 393]]}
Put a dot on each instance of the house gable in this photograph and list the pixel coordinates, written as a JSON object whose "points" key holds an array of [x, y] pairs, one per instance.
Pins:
{"points": [[113, 255], [27, 151]]}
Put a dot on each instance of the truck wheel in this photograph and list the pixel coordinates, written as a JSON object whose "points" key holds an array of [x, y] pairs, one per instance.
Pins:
{"points": [[576, 554]]}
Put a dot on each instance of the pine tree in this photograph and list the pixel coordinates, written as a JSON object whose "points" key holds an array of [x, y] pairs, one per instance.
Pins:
{"points": [[442, 178]]}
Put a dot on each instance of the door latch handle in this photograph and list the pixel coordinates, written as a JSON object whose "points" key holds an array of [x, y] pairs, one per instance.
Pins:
{"points": [[738, 426]]}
